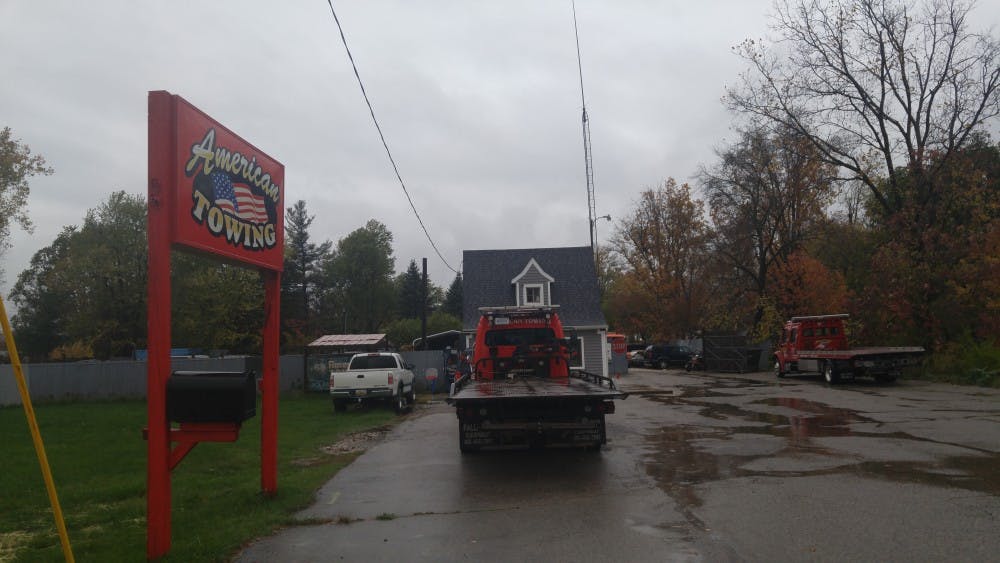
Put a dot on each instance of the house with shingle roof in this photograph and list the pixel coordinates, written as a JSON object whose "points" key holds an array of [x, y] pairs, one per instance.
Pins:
{"points": [[564, 277]]}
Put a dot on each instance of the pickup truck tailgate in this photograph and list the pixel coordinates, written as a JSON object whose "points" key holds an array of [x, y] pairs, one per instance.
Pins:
{"points": [[361, 380]]}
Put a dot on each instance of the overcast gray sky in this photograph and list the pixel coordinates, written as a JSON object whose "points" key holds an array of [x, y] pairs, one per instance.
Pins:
{"points": [[479, 101]]}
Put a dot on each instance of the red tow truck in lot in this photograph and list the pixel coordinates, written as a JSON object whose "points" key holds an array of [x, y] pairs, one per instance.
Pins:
{"points": [[522, 391], [818, 344]]}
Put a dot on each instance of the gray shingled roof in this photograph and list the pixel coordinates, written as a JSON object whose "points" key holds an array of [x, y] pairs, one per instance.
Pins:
{"points": [[486, 276]]}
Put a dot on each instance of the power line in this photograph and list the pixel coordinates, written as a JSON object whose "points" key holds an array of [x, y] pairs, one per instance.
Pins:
{"points": [[382, 136]]}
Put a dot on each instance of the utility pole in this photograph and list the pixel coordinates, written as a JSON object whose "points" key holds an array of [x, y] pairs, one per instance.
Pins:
{"points": [[588, 160], [423, 308]]}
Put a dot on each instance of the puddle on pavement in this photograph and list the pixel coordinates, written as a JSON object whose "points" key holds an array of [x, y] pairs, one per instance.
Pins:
{"points": [[696, 391], [778, 441]]}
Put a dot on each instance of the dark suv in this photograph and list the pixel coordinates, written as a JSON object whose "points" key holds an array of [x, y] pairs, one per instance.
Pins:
{"points": [[663, 356]]}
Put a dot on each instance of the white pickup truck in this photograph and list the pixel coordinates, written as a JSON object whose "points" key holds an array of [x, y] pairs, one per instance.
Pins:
{"points": [[380, 376]]}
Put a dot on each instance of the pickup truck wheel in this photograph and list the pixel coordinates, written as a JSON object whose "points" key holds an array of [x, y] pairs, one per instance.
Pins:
{"points": [[777, 369], [830, 373], [662, 364], [399, 405], [411, 397]]}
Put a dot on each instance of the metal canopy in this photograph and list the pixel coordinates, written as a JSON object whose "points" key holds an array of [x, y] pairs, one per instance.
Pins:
{"points": [[348, 340]]}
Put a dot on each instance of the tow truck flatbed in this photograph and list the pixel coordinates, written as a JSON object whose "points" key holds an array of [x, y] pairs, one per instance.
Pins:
{"points": [[857, 352], [578, 384], [520, 389], [527, 410]]}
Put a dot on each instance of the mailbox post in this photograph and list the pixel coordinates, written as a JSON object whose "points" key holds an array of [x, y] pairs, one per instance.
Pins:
{"points": [[213, 193]]}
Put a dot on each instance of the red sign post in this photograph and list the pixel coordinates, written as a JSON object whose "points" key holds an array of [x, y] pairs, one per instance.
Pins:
{"points": [[214, 193]]}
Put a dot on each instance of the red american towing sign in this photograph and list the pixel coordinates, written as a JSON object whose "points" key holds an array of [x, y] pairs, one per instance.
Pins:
{"points": [[229, 193], [211, 192]]}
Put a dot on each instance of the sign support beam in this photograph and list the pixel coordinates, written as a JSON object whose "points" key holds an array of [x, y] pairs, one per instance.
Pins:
{"points": [[213, 193], [162, 177]]}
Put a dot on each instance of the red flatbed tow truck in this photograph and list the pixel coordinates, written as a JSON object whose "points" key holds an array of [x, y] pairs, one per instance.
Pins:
{"points": [[818, 344], [521, 391]]}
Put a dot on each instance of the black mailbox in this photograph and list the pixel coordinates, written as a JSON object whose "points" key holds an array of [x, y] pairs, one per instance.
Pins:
{"points": [[211, 396]]}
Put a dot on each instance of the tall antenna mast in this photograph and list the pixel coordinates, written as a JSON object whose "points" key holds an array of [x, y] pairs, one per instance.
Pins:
{"points": [[587, 157]]}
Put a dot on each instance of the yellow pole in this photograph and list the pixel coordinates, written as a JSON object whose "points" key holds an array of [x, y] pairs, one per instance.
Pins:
{"points": [[36, 436]]}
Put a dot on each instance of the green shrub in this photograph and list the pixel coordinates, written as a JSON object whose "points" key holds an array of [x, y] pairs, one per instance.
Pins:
{"points": [[966, 362]]}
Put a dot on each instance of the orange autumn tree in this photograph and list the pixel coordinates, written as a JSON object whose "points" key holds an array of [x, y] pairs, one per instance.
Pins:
{"points": [[630, 307], [663, 243], [934, 277], [805, 286]]}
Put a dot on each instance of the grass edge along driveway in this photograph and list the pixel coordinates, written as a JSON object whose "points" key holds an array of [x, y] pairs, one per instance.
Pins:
{"points": [[98, 460]]}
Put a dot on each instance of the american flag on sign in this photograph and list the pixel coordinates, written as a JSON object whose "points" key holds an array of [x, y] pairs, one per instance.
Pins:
{"points": [[237, 199]]}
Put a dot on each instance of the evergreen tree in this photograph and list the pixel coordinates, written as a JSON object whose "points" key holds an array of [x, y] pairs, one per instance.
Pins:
{"points": [[453, 298], [301, 275], [410, 285]]}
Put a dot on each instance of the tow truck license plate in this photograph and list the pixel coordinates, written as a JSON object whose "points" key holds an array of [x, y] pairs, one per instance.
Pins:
{"points": [[360, 392]]}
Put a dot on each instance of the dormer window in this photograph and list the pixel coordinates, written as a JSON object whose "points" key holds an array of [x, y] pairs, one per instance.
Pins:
{"points": [[532, 294], [533, 287]]}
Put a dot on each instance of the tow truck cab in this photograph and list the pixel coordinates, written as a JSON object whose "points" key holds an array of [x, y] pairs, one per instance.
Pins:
{"points": [[514, 341], [521, 391], [822, 332]]}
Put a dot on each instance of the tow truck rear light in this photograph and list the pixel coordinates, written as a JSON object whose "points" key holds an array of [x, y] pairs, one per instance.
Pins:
{"points": [[390, 380], [475, 412]]}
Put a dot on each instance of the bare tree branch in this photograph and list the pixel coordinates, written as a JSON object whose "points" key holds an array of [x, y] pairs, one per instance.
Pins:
{"points": [[910, 84]]}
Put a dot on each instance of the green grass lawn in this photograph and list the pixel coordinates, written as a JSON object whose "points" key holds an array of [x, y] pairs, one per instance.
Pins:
{"points": [[98, 461]]}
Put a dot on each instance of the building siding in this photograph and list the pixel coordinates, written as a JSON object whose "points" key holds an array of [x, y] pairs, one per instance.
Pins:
{"points": [[593, 354]]}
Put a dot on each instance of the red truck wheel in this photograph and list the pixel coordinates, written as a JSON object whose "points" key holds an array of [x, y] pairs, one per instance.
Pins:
{"points": [[777, 368], [830, 373], [886, 377]]}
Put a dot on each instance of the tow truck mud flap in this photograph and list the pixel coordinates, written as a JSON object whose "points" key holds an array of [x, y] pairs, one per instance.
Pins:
{"points": [[511, 435]]}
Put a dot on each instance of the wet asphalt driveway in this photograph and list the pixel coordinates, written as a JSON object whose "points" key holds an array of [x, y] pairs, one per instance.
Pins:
{"points": [[705, 467]]}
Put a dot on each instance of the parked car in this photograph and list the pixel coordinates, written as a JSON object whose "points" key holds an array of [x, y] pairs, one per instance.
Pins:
{"points": [[636, 358], [662, 356]]}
